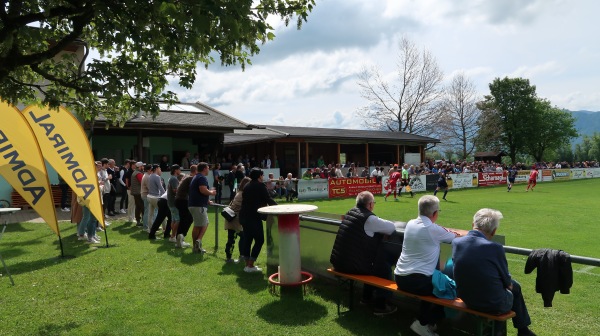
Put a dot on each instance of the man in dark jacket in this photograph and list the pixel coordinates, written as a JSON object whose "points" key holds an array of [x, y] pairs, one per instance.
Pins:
{"points": [[358, 250], [481, 272], [255, 196]]}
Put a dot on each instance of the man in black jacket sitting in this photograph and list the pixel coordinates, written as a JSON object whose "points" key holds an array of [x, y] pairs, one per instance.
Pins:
{"points": [[358, 249]]}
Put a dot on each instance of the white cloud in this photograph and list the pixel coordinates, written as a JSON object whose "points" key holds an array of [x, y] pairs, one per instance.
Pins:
{"points": [[308, 77]]}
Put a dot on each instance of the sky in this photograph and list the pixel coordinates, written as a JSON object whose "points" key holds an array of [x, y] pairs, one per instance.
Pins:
{"points": [[308, 77]]}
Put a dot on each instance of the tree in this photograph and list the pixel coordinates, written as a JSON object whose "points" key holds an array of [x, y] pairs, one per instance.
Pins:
{"points": [[488, 138], [143, 45], [514, 101], [407, 104], [554, 129], [459, 115]]}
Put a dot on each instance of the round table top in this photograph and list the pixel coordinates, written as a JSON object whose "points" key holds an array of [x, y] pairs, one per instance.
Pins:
{"points": [[9, 210], [287, 209]]}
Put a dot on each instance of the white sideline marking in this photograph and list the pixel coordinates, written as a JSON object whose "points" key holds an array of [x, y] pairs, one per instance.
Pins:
{"points": [[583, 270]]}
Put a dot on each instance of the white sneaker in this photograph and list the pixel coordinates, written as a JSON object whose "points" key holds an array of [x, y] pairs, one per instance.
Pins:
{"points": [[184, 244], [252, 269], [106, 217], [106, 223], [84, 237], [172, 239], [65, 209], [123, 211], [179, 241], [422, 330], [99, 229]]}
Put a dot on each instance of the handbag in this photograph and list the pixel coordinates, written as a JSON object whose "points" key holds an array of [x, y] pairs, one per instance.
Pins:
{"points": [[228, 214]]}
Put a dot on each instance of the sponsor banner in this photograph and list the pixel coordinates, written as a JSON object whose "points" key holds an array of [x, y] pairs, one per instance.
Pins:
{"points": [[431, 181], [522, 176], [65, 146], [561, 174], [545, 175], [23, 166], [417, 183], [459, 181], [347, 187], [592, 172], [312, 189], [578, 173], [492, 178]]}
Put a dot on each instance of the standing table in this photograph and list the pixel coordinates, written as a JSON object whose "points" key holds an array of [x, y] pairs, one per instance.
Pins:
{"points": [[4, 212], [290, 274]]}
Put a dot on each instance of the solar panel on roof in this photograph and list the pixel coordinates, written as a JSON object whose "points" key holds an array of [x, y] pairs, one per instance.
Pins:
{"points": [[181, 108], [191, 108]]}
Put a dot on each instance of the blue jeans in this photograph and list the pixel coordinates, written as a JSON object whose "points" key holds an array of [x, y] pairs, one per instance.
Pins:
{"points": [[88, 223]]}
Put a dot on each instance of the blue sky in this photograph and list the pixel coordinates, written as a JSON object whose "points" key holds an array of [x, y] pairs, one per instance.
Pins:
{"points": [[308, 77]]}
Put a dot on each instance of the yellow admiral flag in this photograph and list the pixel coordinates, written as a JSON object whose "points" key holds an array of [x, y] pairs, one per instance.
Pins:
{"points": [[22, 164], [67, 149]]}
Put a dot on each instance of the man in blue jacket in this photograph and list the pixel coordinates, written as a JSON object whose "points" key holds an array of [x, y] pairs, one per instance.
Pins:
{"points": [[481, 272]]}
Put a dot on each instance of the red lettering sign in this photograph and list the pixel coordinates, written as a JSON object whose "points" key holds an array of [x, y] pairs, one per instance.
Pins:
{"points": [[488, 179], [348, 187]]}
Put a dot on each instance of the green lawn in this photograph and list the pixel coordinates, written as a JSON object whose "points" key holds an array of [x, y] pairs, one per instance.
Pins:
{"points": [[137, 287]]}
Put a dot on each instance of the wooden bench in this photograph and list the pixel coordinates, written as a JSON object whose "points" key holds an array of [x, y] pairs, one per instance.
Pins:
{"points": [[348, 280], [16, 201]]}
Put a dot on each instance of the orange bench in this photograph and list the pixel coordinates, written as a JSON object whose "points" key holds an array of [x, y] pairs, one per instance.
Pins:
{"points": [[348, 280]]}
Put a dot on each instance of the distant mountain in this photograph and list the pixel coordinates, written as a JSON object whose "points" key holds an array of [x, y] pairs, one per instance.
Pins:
{"points": [[586, 123]]}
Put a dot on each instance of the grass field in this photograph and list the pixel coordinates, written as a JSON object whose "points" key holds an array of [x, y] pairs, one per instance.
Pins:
{"points": [[137, 287]]}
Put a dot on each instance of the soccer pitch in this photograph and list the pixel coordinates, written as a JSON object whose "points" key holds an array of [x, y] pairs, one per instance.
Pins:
{"points": [[142, 287]]}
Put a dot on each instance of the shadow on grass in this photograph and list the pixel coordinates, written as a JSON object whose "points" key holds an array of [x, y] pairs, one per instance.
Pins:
{"points": [[292, 312], [251, 282], [14, 227], [50, 329]]}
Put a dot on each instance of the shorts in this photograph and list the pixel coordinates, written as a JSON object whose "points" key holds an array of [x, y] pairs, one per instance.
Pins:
{"points": [[511, 180], [200, 216], [443, 184], [174, 214], [404, 182]]}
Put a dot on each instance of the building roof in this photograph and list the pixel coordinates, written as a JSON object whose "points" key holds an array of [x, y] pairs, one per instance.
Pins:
{"points": [[270, 132], [185, 116]]}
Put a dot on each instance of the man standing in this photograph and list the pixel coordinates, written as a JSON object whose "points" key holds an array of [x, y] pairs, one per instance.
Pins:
{"points": [[358, 249], [155, 191], [198, 205], [147, 217], [105, 178], [481, 272], [172, 186], [181, 202], [113, 172], [418, 260], [135, 185]]}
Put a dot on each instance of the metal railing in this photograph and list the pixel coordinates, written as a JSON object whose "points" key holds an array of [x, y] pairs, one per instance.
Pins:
{"points": [[508, 249]]}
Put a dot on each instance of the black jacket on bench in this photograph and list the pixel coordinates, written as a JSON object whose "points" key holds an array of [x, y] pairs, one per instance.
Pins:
{"points": [[353, 250]]}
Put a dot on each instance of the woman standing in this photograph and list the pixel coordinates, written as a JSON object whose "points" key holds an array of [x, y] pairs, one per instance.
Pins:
{"points": [[233, 227], [255, 196]]}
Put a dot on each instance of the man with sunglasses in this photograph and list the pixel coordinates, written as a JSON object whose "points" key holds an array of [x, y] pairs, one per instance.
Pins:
{"points": [[358, 249]]}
